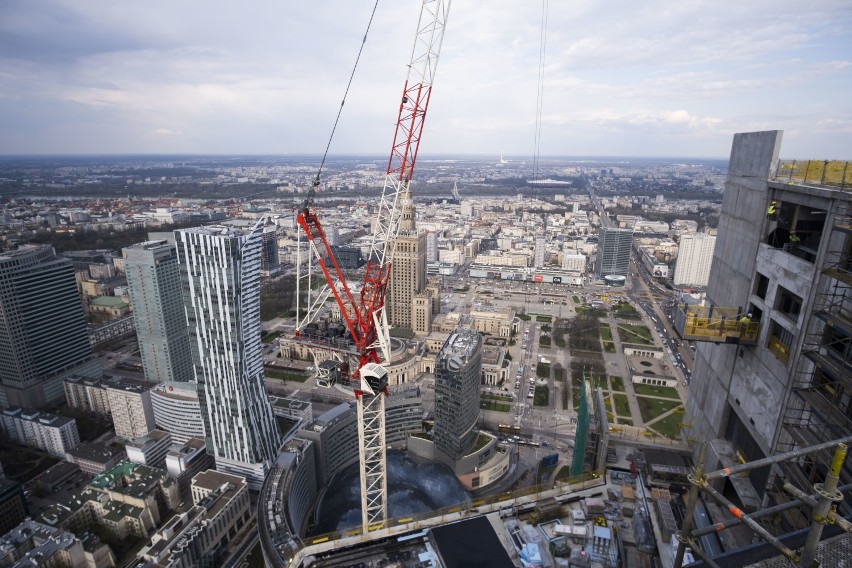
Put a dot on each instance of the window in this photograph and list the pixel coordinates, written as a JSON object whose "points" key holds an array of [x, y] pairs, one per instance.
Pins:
{"points": [[780, 341], [761, 284], [788, 303]]}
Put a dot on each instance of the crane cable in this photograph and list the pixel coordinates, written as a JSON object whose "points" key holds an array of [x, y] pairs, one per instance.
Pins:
{"points": [[542, 52], [316, 182]]}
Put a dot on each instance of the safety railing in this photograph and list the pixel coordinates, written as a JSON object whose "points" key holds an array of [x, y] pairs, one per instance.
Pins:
{"points": [[716, 324], [832, 173]]}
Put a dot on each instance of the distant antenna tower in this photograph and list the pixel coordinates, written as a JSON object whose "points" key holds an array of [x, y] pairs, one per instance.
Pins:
{"points": [[456, 191], [502, 161]]}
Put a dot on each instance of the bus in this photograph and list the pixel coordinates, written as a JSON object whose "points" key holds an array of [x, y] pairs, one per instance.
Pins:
{"points": [[508, 428]]}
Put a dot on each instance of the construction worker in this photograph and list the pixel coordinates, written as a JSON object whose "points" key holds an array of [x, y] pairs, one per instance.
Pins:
{"points": [[744, 321], [772, 210]]}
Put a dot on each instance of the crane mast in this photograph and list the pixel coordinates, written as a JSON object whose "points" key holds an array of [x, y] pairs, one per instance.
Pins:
{"points": [[364, 312]]}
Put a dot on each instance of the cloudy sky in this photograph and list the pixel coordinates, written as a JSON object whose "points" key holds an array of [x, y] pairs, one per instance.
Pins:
{"points": [[622, 77]]}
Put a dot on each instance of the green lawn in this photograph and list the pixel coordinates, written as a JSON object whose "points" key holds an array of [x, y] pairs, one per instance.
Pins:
{"points": [[542, 371], [270, 337], [617, 383], [576, 299], [622, 408], [634, 333], [669, 426], [271, 373], [481, 442], [524, 317], [651, 408], [609, 346], [606, 332], [497, 398], [651, 390], [592, 312], [541, 397], [625, 310], [494, 405], [539, 317], [544, 341]]}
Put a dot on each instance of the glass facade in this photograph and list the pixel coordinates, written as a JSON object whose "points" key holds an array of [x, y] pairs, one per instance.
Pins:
{"points": [[220, 273]]}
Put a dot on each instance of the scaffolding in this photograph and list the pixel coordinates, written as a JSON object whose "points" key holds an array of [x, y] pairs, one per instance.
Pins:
{"points": [[822, 504], [820, 406], [715, 324]]}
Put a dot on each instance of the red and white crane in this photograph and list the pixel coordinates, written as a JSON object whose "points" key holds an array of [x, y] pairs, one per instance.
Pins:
{"points": [[363, 311]]}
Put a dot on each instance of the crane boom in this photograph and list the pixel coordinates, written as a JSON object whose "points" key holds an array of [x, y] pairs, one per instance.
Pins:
{"points": [[364, 314]]}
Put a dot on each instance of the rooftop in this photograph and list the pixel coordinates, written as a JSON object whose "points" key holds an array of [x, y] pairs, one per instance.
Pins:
{"points": [[130, 478], [462, 343], [90, 451], [472, 542], [43, 418], [110, 302], [153, 437], [130, 385]]}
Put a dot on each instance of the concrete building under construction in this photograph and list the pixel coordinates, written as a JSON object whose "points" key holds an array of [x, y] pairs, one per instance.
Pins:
{"points": [[782, 270]]}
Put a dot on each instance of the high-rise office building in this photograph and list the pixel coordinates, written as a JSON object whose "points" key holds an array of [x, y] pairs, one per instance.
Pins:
{"points": [[220, 272], [792, 270], [614, 246], [43, 335], [458, 372], [408, 273], [694, 258], [153, 277], [432, 246], [540, 252], [269, 263]]}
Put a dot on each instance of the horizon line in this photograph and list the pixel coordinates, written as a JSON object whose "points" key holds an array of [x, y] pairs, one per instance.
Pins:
{"points": [[352, 155]]}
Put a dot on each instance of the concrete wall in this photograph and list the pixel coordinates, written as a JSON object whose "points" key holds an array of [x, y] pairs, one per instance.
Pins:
{"points": [[753, 156]]}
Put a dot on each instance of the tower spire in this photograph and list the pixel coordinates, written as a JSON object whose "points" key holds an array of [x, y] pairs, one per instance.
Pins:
{"points": [[406, 221]]}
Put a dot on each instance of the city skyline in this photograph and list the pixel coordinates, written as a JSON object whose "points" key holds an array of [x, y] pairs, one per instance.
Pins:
{"points": [[643, 80]]}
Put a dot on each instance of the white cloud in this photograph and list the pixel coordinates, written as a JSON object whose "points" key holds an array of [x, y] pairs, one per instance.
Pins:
{"points": [[267, 76]]}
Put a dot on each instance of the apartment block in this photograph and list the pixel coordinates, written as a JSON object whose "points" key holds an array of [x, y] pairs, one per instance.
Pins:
{"points": [[130, 405], [37, 544], [93, 458], [694, 258], [150, 449], [84, 393], [54, 434], [222, 509], [127, 500]]}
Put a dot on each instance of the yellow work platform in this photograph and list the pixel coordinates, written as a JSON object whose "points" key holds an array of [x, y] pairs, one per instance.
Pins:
{"points": [[716, 324]]}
